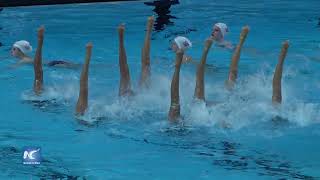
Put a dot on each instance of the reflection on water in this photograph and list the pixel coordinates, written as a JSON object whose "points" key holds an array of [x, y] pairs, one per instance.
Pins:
{"points": [[163, 19], [162, 8]]}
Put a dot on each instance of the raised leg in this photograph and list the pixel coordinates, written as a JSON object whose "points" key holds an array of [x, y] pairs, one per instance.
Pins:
{"points": [[199, 90], [174, 112], [38, 73], [233, 73], [125, 85], [276, 83], [82, 103], [145, 59]]}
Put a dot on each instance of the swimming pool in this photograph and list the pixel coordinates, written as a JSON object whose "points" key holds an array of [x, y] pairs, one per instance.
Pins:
{"points": [[134, 139]]}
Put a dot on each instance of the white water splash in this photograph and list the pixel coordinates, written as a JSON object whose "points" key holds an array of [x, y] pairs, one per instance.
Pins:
{"points": [[248, 104]]}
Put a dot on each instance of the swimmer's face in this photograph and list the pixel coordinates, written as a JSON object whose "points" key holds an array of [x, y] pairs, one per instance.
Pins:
{"points": [[15, 52], [216, 33], [174, 47]]}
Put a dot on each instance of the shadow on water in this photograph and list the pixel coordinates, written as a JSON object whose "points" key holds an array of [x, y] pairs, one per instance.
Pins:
{"points": [[50, 106], [222, 153], [225, 154], [230, 156], [96, 121], [162, 9]]}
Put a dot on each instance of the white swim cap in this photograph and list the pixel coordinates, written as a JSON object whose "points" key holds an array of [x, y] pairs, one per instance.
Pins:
{"points": [[223, 28], [23, 46], [183, 42]]}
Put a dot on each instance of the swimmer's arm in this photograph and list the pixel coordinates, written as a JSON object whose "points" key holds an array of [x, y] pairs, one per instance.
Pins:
{"points": [[66, 64], [276, 83], [18, 64], [226, 45], [186, 59], [196, 63], [69, 65], [229, 45], [189, 60]]}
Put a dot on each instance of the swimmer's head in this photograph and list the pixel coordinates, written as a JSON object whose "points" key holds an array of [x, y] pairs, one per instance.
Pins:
{"points": [[21, 48], [219, 31], [182, 43]]}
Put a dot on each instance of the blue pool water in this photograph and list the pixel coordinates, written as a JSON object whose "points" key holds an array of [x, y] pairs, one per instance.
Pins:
{"points": [[134, 139]]}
